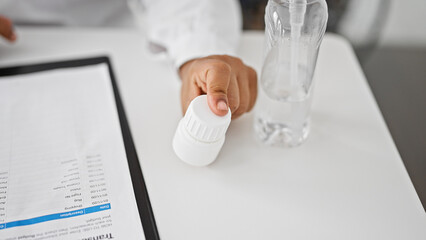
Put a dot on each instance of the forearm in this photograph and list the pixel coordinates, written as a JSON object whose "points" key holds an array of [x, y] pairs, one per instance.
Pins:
{"points": [[191, 29]]}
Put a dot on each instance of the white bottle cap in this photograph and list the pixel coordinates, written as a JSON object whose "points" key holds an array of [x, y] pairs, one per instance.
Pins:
{"points": [[200, 133]]}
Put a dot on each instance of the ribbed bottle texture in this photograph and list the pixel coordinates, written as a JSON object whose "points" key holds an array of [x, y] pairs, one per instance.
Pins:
{"points": [[202, 124], [200, 133]]}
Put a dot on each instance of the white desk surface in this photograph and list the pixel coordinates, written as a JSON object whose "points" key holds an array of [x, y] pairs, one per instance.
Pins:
{"points": [[346, 182]]}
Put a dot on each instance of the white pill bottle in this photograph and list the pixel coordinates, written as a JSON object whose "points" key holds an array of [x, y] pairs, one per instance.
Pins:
{"points": [[200, 134]]}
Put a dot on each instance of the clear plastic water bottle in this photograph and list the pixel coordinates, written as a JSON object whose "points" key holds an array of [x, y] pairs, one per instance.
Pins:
{"points": [[293, 30]]}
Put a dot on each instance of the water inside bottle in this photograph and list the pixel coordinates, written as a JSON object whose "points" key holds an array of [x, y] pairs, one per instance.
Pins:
{"points": [[282, 117], [281, 122]]}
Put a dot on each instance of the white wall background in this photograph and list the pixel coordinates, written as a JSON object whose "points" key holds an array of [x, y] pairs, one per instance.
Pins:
{"points": [[406, 24]]}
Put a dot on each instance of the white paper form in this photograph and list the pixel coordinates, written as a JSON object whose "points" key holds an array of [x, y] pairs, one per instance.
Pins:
{"points": [[63, 167]]}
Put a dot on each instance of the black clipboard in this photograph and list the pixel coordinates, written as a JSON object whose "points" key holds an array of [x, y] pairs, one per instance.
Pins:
{"points": [[139, 188]]}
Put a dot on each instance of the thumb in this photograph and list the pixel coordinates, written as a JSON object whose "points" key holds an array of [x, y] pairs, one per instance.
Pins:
{"points": [[217, 82], [6, 29]]}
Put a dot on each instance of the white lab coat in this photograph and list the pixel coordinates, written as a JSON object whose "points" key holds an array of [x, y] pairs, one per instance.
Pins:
{"points": [[185, 28]]}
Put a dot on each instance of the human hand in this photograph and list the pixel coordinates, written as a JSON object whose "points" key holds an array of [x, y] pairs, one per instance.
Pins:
{"points": [[226, 80], [6, 29]]}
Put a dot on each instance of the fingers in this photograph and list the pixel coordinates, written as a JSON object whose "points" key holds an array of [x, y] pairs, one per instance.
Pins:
{"points": [[226, 80], [218, 77], [247, 83], [6, 29], [234, 96], [252, 83], [188, 93], [244, 94]]}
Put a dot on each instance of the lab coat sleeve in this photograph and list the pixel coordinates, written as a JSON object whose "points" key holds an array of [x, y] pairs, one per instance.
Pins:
{"points": [[190, 29]]}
